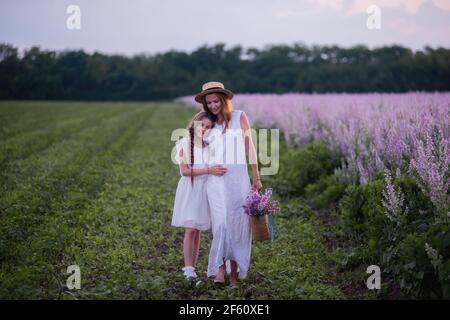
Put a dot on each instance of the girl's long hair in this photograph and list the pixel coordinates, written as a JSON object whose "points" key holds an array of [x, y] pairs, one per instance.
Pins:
{"points": [[198, 117], [227, 108]]}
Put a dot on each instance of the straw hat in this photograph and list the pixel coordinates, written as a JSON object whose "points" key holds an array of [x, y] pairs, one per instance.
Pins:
{"points": [[212, 87]]}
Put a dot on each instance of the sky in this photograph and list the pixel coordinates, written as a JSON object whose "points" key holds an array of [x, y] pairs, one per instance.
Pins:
{"points": [[132, 27]]}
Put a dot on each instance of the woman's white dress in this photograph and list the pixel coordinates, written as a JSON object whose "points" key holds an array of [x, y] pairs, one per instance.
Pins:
{"points": [[226, 195], [190, 208]]}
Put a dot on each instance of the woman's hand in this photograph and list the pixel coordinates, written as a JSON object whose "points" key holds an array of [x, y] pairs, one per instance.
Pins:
{"points": [[218, 170], [257, 185]]}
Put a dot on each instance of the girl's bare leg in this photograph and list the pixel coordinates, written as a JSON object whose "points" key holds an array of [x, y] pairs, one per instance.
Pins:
{"points": [[188, 246], [196, 247]]}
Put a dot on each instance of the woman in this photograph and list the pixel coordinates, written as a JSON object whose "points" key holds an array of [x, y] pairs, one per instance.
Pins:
{"points": [[226, 194]]}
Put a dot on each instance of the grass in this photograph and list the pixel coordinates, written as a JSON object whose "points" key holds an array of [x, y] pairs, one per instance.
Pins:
{"points": [[93, 184]]}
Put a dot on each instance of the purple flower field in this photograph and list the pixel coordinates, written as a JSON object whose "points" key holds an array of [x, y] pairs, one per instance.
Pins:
{"points": [[407, 133]]}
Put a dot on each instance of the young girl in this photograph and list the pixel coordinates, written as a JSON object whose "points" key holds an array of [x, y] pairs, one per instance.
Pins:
{"points": [[191, 207]]}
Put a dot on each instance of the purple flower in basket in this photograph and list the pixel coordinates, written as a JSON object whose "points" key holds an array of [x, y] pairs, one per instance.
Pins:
{"points": [[259, 205]]}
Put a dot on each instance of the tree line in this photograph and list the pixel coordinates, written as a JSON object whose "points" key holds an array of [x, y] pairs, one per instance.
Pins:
{"points": [[76, 75]]}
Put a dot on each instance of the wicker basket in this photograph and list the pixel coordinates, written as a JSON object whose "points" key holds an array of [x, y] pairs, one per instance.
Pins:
{"points": [[260, 227]]}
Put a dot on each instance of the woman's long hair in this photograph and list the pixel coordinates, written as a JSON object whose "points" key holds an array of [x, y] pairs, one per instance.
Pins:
{"points": [[227, 108], [198, 117]]}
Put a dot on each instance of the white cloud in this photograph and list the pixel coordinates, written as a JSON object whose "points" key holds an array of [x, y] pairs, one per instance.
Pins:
{"points": [[360, 6], [403, 27], [335, 4], [442, 4], [287, 14]]}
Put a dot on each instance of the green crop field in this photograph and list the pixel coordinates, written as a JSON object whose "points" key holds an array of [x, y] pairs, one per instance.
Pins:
{"points": [[93, 184]]}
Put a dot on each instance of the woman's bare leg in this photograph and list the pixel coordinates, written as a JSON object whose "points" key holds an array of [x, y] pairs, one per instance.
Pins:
{"points": [[233, 273], [220, 276]]}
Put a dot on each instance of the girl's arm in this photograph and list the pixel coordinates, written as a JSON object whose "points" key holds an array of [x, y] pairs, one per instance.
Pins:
{"points": [[250, 151], [187, 170]]}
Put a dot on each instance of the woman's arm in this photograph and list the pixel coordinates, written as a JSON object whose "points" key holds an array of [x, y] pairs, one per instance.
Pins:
{"points": [[250, 151]]}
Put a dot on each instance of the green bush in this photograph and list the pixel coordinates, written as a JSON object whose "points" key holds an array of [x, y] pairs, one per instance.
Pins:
{"points": [[420, 209], [413, 249], [438, 237], [400, 246], [302, 166], [421, 273], [362, 211], [325, 192]]}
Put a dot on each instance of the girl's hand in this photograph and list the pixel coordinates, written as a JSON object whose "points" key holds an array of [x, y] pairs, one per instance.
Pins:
{"points": [[257, 185], [218, 170]]}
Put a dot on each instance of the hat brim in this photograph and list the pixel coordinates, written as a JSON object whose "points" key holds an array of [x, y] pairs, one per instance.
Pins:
{"points": [[200, 96]]}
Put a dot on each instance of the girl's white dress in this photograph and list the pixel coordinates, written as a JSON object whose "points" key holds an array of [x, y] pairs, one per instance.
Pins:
{"points": [[190, 208], [226, 195]]}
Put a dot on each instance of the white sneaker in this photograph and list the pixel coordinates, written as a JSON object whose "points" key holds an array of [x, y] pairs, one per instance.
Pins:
{"points": [[189, 272]]}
